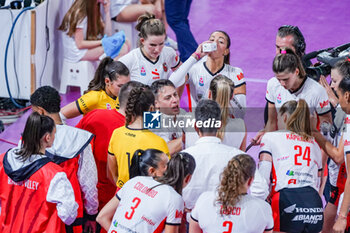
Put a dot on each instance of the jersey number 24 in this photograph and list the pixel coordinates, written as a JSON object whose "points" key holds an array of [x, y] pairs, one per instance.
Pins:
{"points": [[300, 152]]}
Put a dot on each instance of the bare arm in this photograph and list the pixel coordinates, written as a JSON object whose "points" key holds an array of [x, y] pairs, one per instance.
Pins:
{"points": [[105, 217], [240, 90], [108, 21], [70, 110], [112, 166], [175, 146], [85, 44], [194, 227], [271, 124], [337, 154], [171, 229]]}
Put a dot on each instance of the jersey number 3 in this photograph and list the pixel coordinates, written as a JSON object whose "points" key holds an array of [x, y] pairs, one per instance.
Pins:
{"points": [[306, 155], [228, 224], [137, 201]]}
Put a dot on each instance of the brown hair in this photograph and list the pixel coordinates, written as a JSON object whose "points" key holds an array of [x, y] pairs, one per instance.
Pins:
{"points": [[299, 119], [140, 100], [237, 172], [343, 67], [228, 39], [36, 127], [288, 61], [148, 25], [108, 68], [76, 14], [222, 88]]}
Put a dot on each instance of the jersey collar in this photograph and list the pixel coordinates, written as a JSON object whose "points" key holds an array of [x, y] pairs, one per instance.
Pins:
{"points": [[298, 89], [208, 139], [205, 66], [155, 62]]}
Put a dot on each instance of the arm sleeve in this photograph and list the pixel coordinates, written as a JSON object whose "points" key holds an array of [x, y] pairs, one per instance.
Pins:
{"points": [[87, 176], [346, 138], [175, 211], [172, 58], [239, 103], [127, 60], [239, 78], [265, 168], [259, 186], [268, 216], [61, 192], [196, 210], [323, 105], [111, 143], [178, 77]]}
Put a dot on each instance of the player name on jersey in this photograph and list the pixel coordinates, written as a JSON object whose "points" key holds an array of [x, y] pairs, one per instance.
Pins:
{"points": [[297, 138], [146, 190]]}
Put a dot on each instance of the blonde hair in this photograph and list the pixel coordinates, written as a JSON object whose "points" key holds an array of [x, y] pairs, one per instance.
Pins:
{"points": [[237, 172], [76, 14], [222, 88], [299, 120]]}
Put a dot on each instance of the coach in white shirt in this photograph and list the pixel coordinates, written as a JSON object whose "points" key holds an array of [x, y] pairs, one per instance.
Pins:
{"points": [[211, 157]]}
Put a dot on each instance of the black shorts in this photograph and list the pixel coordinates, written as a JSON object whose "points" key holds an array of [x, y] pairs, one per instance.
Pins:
{"points": [[297, 210], [335, 195]]}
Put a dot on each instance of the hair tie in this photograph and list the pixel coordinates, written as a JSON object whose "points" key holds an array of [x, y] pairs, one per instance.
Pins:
{"points": [[348, 59], [283, 51]]}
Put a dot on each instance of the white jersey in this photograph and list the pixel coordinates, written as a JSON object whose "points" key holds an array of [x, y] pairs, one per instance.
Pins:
{"points": [[346, 137], [312, 92], [199, 78], [235, 131], [250, 215], [296, 162], [211, 158], [146, 71], [146, 208]]}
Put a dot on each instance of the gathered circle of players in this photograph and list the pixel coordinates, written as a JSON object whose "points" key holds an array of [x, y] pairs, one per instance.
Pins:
{"points": [[138, 162]]}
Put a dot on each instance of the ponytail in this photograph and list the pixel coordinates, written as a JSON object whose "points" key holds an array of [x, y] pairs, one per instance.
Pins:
{"points": [[36, 127], [181, 165], [237, 172], [299, 119], [288, 61], [142, 160], [148, 25], [222, 89], [108, 68], [140, 100]]}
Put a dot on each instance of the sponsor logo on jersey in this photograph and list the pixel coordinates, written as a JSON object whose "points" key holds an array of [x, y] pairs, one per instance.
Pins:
{"points": [[290, 209], [108, 106], [143, 71], [295, 181], [115, 223], [201, 81], [155, 72], [165, 67], [29, 184], [347, 120], [240, 76], [177, 58], [346, 143], [178, 214], [290, 173], [149, 221], [262, 144], [283, 158], [279, 98], [151, 120], [324, 103]]}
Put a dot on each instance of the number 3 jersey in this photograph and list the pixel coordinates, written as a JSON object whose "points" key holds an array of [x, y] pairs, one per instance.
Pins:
{"points": [[146, 206], [296, 162], [250, 215]]}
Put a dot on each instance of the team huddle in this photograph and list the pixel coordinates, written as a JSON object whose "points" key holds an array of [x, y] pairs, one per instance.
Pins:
{"points": [[111, 174]]}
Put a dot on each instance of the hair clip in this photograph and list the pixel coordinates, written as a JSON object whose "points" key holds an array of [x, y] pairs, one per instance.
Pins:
{"points": [[283, 51]]}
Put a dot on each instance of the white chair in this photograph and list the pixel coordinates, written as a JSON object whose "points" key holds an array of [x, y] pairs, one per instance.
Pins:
{"points": [[76, 74], [130, 32]]}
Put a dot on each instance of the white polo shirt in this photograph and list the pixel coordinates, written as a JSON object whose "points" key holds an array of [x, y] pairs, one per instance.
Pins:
{"points": [[250, 215], [211, 158]]}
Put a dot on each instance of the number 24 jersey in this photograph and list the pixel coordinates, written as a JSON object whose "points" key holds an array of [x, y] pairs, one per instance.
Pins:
{"points": [[296, 161]]}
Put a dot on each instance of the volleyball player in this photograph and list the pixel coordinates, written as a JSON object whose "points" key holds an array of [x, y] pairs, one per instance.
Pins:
{"points": [[154, 205], [231, 209], [293, 158]]}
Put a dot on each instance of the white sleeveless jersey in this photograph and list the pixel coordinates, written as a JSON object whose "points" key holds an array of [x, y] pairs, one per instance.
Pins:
{"points": [[296, 162], [311, 91], [144, 70], [250, 215], [200, 77], [142, 209]]}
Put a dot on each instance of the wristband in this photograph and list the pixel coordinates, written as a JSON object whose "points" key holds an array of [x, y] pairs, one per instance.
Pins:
{"points": [[197, 55]]}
